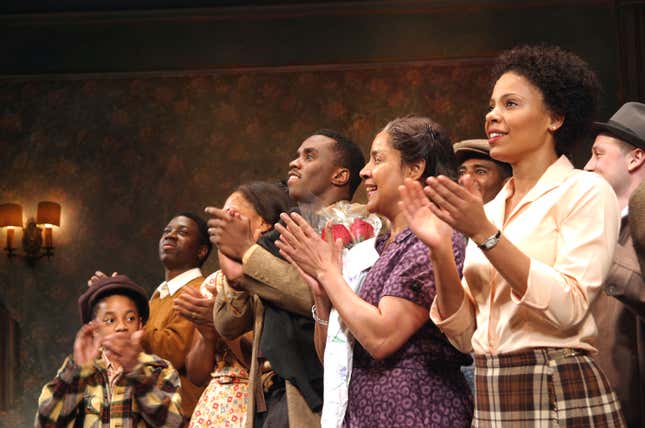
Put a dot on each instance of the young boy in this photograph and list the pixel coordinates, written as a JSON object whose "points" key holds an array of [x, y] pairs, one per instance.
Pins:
{"points": [[109, 380]]}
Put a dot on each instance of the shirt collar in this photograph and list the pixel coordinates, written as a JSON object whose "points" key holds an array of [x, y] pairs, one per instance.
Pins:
{"points": [[398, 239], [180, 280], [553, 176]]}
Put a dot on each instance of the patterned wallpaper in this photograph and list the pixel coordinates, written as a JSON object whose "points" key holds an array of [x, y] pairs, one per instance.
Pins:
{"points": [[123, 154]]}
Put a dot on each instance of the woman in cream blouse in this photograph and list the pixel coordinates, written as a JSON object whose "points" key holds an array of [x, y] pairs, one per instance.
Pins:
{"points": [[537, 253]]}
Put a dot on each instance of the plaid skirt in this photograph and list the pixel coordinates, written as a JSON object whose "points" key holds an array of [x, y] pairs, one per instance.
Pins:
{"points": [[543, 387]]}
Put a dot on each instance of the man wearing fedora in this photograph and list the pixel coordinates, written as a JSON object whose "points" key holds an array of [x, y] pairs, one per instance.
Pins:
{"points": [[108, 379], [618, 154], [488, 174]]}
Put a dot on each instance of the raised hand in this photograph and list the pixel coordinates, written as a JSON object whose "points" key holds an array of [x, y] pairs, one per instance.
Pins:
{"points": [[123, 348], [86, 344], [421, 219], [459, 206], [300, 243], [191, 305], [98, 275], [230, 232]]}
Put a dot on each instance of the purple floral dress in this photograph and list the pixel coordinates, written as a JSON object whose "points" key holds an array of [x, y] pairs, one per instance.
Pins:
{"points": [[421, 384]]}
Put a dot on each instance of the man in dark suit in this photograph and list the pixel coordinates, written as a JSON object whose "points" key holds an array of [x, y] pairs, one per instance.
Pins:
{"points": [[269, 296], [618, 154]]}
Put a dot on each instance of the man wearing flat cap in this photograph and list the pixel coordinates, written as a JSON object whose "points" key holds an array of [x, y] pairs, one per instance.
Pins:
{"points": [[618, 154], [488, 174], [108, 379]]}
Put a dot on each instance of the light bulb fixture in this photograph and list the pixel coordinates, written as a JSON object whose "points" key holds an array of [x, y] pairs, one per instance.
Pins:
{"points": [[47, 216], [11, 218]]}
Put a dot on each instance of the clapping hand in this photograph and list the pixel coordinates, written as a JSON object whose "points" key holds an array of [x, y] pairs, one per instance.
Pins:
{"points": [[420, 215], [86, 344], [230, 232], [300, 244], [191, 305], [123, 348], [461, 207]]}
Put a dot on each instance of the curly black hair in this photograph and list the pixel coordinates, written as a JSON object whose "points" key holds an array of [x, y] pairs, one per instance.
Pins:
{"points": [[569, 86]]}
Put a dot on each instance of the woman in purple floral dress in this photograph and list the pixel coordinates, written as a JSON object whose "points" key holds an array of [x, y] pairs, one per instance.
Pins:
{"points": [[405, 372]]}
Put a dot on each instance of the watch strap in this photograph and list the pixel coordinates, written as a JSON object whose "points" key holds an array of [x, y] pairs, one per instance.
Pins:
{"points": [[491, 241]]}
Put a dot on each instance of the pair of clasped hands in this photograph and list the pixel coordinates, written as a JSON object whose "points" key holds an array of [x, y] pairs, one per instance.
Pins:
{"points": [[431, 212], [123, 348]]}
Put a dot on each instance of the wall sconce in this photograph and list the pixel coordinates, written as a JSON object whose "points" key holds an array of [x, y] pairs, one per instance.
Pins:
{"points": [[47, 216]]}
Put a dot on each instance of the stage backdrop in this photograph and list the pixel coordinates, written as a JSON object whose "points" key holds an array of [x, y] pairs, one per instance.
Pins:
{"points": [[123, 154]]}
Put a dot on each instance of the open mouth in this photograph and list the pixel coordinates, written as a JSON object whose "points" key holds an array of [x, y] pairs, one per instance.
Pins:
{"points": [[494, 136], [293, 176], [370, 189]]}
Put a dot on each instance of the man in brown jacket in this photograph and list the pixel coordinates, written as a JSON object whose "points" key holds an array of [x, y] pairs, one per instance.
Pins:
{"points": [[184, 246], [637, 222], [618, 154], [271, 298]]}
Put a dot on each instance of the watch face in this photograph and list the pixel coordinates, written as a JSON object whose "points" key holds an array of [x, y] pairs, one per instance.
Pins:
{"points": [[490, 242]]}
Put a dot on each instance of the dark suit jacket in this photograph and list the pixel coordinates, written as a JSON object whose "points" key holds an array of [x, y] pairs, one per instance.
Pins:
{"points": [[620, 315]]}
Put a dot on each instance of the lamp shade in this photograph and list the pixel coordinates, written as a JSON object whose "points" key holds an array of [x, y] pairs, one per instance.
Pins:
{"points": [[48, 213], [10, 215]]}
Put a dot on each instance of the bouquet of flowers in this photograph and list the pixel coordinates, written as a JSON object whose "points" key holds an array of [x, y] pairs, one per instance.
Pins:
{"points": [[350, 222], [357, 228]]}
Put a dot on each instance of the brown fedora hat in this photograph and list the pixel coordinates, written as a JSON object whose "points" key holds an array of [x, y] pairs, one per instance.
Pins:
{"points": [[627, 124]]}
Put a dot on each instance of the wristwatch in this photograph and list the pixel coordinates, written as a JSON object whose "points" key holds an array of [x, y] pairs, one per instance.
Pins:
{"points": [[490, 242]]}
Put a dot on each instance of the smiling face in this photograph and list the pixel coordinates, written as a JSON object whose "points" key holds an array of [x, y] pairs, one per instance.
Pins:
{"points": [[485, 173], [382, 177], [610, 158], [117, 313], [179, 246], [518, 123], [311, 173]]}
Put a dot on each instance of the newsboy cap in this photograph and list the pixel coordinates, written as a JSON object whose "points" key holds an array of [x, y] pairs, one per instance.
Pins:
{"points": [[107, 286], [627, 124], [467, 149]]}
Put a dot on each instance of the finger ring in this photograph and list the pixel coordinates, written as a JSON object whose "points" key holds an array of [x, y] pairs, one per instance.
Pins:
{"points": [[193, 315]]}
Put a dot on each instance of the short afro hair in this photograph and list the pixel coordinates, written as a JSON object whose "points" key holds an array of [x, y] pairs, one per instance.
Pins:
{"points": [[349, 155], [570, 88]]}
